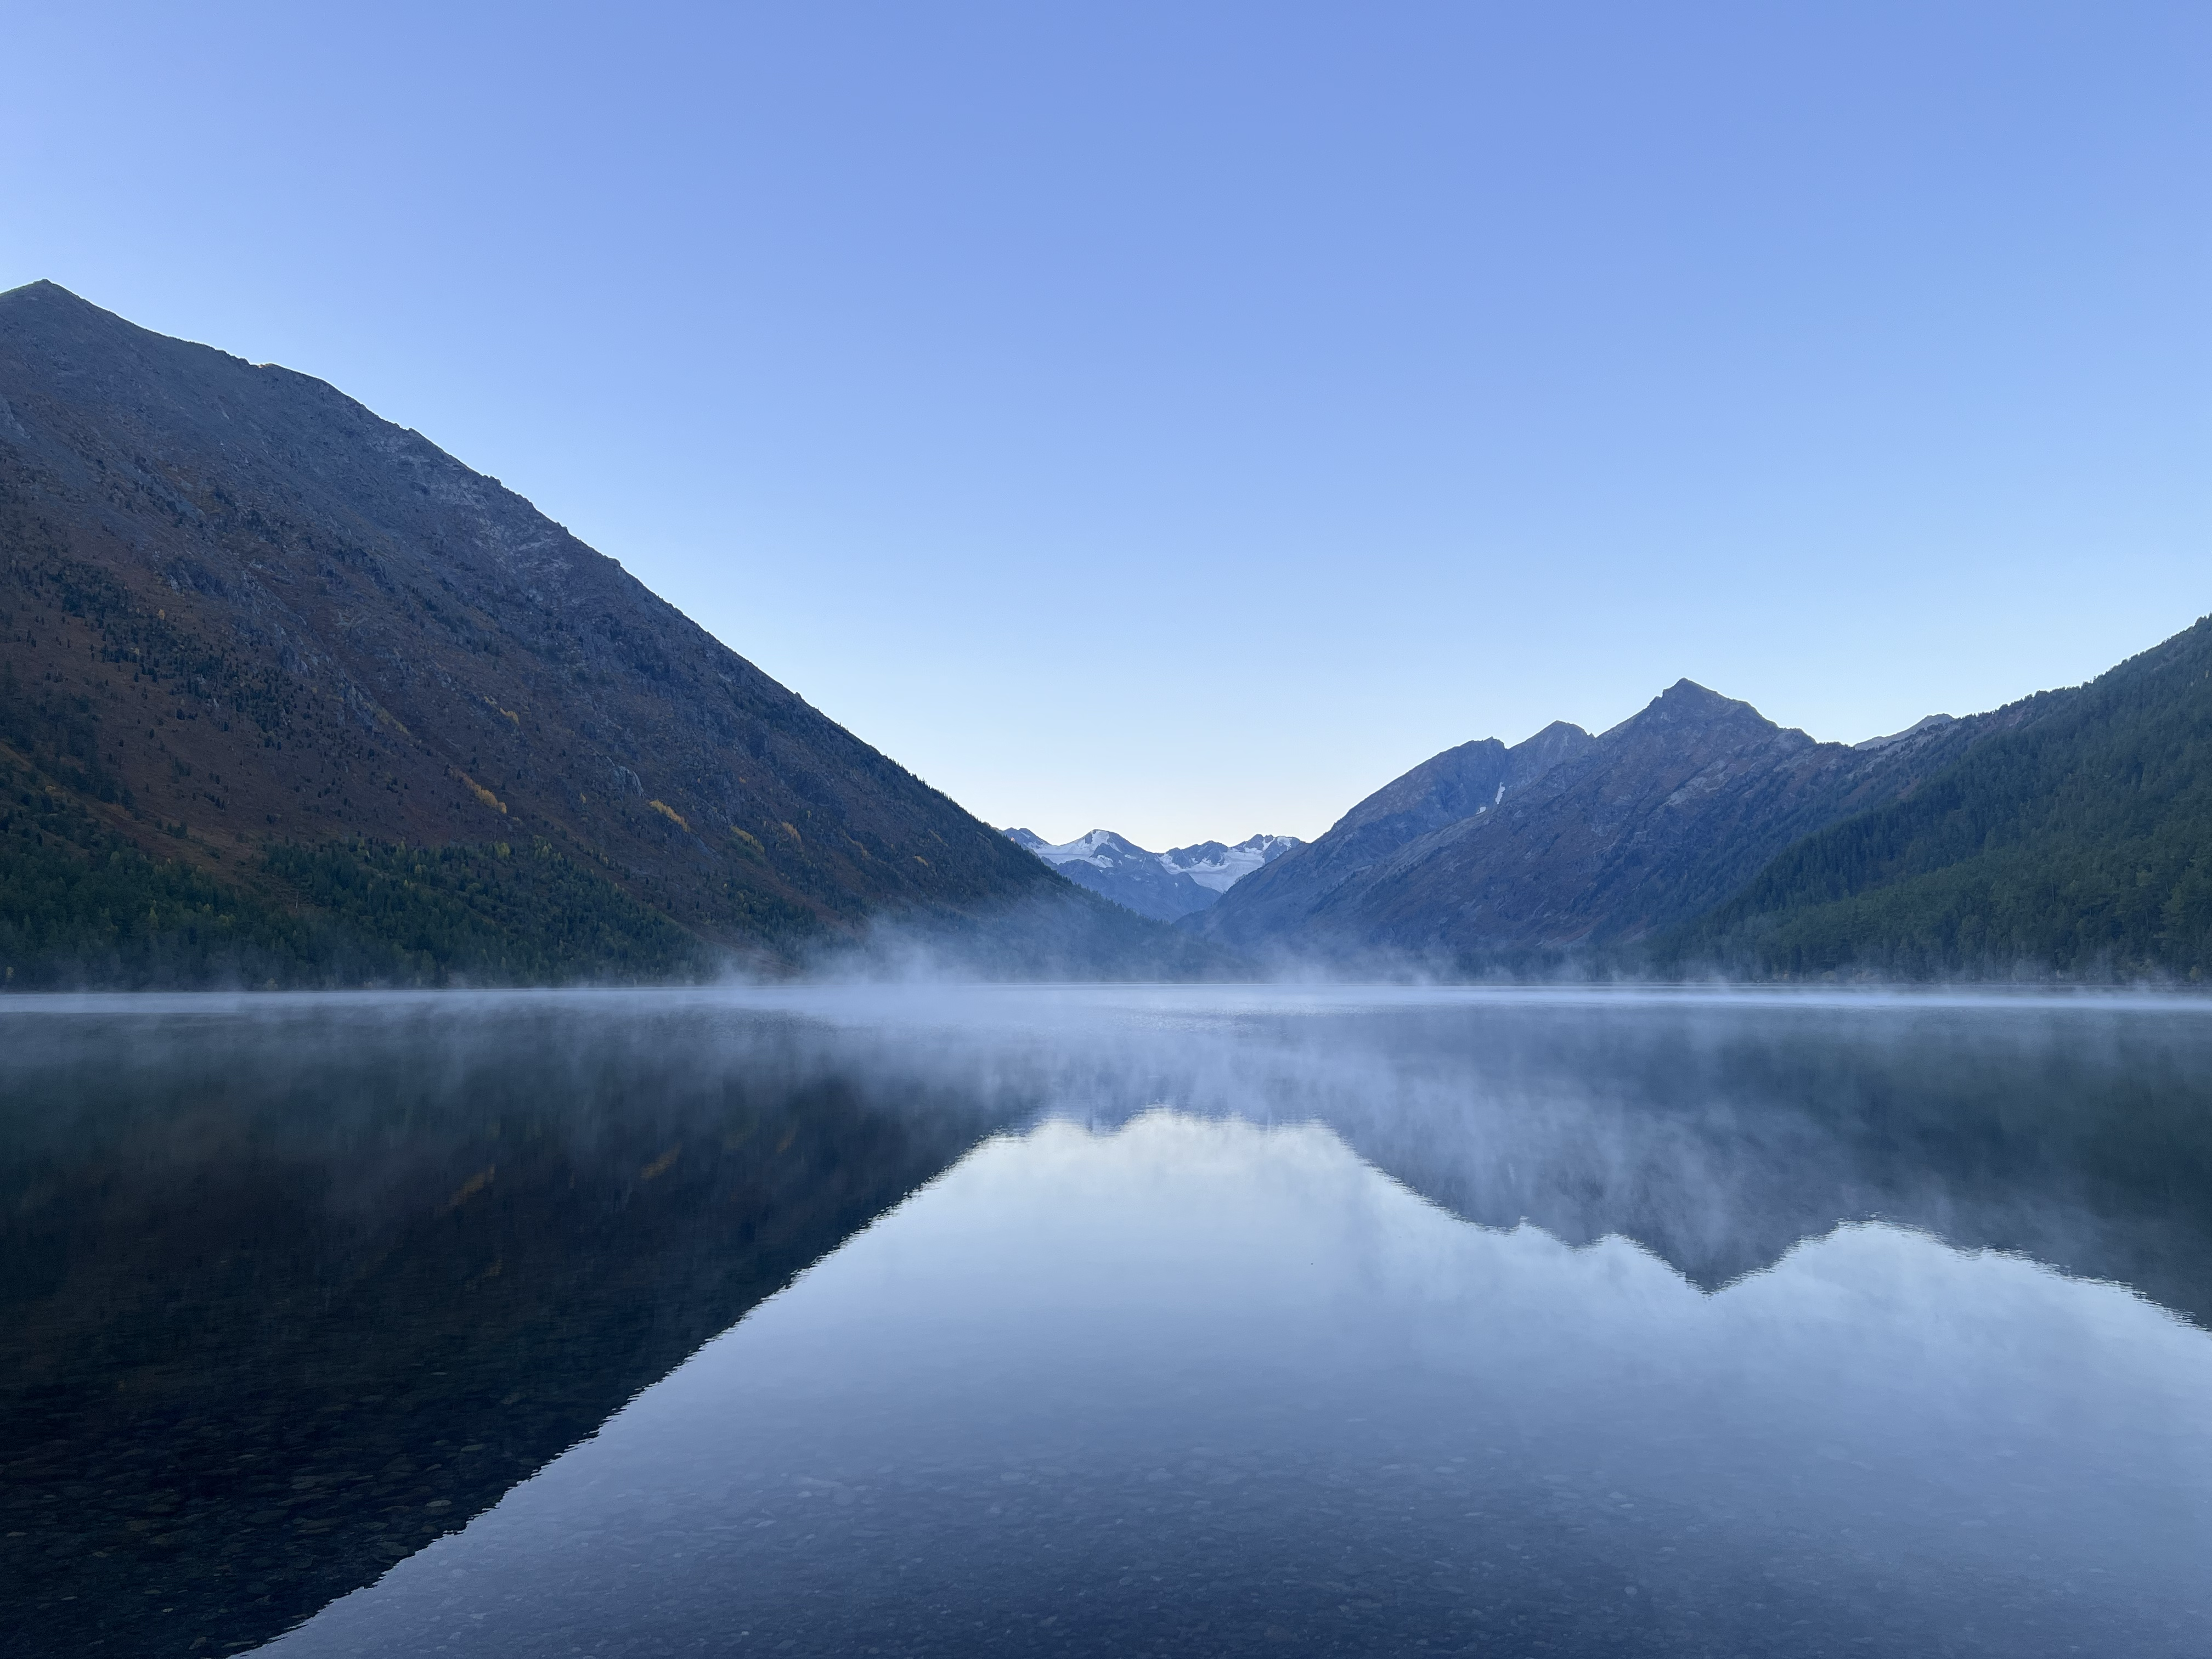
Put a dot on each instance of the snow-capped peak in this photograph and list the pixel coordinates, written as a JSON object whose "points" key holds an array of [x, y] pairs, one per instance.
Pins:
{"points": [[1102, 849], [1212, 865], [1163, 884]]}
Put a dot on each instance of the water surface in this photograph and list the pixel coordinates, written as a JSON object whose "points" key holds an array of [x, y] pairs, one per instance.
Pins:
{"points": [[1110, 1322]]}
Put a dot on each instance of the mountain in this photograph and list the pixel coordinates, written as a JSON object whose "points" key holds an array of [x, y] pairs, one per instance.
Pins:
{"points": [[1279, 903], [1163, 885], [1486, 856], [2079, 839], [1218, 867], [290, 693]]}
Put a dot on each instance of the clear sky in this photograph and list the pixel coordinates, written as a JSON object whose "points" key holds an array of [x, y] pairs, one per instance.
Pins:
{"points": [[1182, 418]]}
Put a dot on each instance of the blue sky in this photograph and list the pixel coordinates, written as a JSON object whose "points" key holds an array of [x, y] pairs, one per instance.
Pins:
{"points": [[1184, 418]]}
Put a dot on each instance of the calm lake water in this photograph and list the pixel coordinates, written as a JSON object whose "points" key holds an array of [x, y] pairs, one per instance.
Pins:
{"points": [[1106, 1322]]}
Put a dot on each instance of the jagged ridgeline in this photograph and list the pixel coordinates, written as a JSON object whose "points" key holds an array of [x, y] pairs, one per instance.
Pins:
{"points": [[2068, 835], [289, 694]]}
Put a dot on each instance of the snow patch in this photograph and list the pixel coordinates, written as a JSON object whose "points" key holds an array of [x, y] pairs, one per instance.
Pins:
{"points": [[1211, 864]]}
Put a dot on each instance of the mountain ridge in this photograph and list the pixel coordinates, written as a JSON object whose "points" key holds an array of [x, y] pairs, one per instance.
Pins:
{"points": [[241, 612], [1164, 886], [1586, 843], [1438, 793]]}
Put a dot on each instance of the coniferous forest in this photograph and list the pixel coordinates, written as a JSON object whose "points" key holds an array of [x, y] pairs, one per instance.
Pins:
{"points": [[2079, 843]]}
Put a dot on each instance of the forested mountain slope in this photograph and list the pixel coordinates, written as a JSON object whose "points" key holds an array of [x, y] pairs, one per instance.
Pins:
{"points": [[260, 648], [2079, 839]]}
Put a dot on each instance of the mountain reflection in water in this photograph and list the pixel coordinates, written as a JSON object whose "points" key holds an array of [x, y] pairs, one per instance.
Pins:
{"points": [[1176, 1358]]}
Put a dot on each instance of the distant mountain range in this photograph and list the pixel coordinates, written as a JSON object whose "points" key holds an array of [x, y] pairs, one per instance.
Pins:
{"points": [[289, 694], [1165, 886], [2070, 832]]}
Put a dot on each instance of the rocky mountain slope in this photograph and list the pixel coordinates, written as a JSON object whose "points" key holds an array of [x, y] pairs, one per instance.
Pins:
{"points": [[1280, 902], [1487, 856], [262, 648], [1164, 886]]}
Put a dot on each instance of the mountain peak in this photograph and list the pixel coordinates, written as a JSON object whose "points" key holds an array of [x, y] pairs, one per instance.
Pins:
{"points": [[1442, 788], [1531, 758], [41, 289], [1687, 704], [361, 644], [52, 298], [1687, 693], [1556, 732], [1218, 868], [1163, 885]]}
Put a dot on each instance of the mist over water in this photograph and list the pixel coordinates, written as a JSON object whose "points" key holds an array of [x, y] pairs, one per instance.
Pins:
{"points": [[969, 1320]]}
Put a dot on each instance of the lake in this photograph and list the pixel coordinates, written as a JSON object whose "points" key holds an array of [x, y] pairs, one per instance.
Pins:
{"points": [[932, 1321]]}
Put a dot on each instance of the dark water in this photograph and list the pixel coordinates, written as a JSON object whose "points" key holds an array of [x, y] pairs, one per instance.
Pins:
{"points": [[1115, 1322]]}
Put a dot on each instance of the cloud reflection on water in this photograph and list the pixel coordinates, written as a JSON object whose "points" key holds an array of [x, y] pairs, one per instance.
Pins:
{"points": [[1485, 1308], [1240, 1353]]}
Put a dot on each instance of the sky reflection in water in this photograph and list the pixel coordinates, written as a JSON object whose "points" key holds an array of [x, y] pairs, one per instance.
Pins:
{"points": [[1231, 1335]]}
